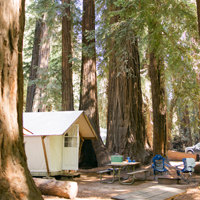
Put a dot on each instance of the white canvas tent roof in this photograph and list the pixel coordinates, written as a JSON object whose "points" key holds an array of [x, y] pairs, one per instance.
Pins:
{"points": [[56, 123]]}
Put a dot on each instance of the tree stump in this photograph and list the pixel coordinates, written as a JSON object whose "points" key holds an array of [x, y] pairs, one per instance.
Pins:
{"points": [[66, 189]]}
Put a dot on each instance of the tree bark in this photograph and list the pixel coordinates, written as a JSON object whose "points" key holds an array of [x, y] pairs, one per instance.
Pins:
{"points": [[88, 94], [159, 107], [43, 64], [33, 68], [185, 127], [67, 85], [169, 121], [198, 14], [39, 65], [126, 128], [66, 189], [15, 179], [148, 122], [198, 103], [198, 70]]}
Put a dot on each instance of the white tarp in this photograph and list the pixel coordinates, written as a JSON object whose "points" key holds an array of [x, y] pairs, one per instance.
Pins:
{"points": [[57, 123], [55, 153], [35, 153], [49, 123]]}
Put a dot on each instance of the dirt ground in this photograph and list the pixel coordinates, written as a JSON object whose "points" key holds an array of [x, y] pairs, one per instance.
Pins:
{"points": [[91, 188]]}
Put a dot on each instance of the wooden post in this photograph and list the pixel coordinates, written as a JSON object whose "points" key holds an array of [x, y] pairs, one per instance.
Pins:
{"points": [[45, 155], [81, 144]]}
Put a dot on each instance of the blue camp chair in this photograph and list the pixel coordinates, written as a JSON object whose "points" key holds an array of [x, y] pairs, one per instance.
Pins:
{"points": [[159, 165], [187, 169]]}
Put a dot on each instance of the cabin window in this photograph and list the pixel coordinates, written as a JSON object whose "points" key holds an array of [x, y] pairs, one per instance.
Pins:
{"points": [[70, 140]]}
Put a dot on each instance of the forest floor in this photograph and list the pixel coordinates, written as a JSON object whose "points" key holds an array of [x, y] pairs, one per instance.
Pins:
{"points": [[91, 188]]}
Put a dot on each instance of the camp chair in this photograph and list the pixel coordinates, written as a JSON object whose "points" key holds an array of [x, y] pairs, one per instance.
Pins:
{"points": [[159, 165], [188, 167]]}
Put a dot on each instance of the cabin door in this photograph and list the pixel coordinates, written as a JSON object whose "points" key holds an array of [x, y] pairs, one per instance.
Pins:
{"points": [[71, 148]]}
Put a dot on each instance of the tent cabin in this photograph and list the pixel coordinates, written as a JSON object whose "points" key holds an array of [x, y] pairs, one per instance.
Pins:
{"points": [[53, 140]]}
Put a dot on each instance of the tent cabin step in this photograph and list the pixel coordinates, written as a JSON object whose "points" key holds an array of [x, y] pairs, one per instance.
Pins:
{"points": [[67, 176]]}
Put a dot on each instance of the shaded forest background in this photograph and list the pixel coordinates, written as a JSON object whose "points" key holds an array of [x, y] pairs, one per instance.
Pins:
{"points": [[132, 66], [146, 56]]}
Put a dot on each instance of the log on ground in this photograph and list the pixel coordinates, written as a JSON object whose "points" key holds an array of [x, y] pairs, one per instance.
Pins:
{"points": [[197, 167], [178, 156], [66, 189]]}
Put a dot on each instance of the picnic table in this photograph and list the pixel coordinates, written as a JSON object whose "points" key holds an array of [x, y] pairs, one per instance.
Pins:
{"points": [[116, 168]]}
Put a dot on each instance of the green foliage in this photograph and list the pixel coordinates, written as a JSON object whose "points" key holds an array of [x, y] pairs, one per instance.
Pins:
{"points": [[169, 28], [50, 80]]}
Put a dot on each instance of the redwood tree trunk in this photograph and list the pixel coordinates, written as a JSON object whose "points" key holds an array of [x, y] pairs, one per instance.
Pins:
{"points": [[149, 127], [15, 179], [88, 94], [40, 59], [126, 127], [159, 107], [43, 64], [198, 14], [198, 103], [198, 70], [67, 85], [185, 127], [169, 121], [33, 68]]}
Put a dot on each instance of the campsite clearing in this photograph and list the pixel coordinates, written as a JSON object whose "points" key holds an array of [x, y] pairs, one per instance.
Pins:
{"points": [[91, 188]]}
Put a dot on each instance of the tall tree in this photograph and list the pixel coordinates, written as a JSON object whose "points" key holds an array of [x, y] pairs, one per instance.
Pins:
{"points": [[149, 127], [198, 68], [169, 121], [67, 85], [33, 68], [43, 65], [185, 127], [198, 14], [156, 70], [15, 179], [96, 152], [40, 61], [126, 128], [168, 33]]}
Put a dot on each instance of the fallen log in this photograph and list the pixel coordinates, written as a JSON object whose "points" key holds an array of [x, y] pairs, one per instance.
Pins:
{"points": [[66, 189], [178, 156], [197, 167]]}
